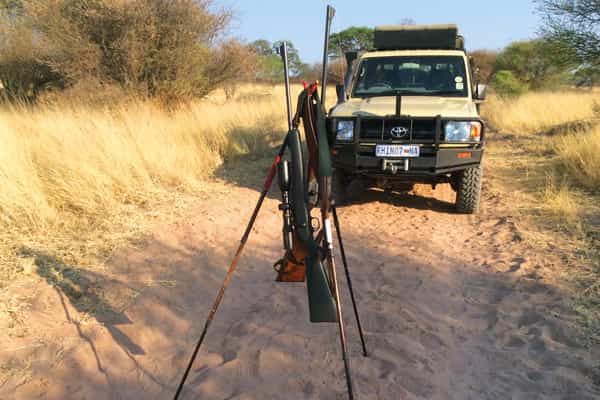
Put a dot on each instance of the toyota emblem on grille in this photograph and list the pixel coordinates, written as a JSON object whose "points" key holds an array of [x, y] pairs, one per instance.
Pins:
{"points": [[399, 132]]}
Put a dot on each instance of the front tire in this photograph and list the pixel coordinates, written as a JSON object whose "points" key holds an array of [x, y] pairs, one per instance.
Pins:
{"points": [[468, 190]]}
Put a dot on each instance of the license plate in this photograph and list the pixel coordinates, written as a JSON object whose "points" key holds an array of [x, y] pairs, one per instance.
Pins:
{"points": [[397, 150]]}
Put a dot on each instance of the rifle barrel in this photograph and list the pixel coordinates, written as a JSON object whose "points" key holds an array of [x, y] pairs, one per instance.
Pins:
{"points": [[328, 18], [284, 56]]}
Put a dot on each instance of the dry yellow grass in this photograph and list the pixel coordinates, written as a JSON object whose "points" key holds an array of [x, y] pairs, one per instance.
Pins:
{"points": [[562, 205], [70, 172], [549, 162], [537, 112], [574, 149], [77, 177], [79, 161], [579, 154]]}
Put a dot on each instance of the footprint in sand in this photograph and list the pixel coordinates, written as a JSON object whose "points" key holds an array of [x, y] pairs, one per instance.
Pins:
{"points": [[515, 342], [308, 389], [229, 355]]}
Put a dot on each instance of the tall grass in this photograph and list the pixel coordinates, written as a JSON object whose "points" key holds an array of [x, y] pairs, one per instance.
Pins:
{"points": [[551, 164], [567, 125], [537, 112], [68, 170], [579, 154]]}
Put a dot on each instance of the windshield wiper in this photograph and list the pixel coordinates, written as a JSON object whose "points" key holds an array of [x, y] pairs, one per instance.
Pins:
{"points": [[389, 93], [443, 92]]}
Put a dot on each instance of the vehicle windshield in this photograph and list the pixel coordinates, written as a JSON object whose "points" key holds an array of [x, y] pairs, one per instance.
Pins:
{"points": [[412, 75]]}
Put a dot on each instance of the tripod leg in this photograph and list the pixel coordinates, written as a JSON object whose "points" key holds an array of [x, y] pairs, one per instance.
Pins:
{"points": [[342, 337], [232, 267], [346, 270], [336, 292], [212, 313]]}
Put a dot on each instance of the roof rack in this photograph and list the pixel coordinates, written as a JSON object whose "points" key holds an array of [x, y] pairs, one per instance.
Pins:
{"points": [[413, 37]]}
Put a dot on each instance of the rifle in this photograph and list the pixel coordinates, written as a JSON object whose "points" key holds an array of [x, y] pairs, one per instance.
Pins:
{"points": [[303, 258], [306, 251]]}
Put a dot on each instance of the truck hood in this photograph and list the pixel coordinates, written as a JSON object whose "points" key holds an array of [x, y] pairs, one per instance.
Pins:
{"points": [[415, 106]]}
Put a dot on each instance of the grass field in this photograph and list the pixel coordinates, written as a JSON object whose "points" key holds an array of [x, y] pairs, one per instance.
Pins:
{"points": [[545, 154], [560, 132], [79, 180], [540, 112]]}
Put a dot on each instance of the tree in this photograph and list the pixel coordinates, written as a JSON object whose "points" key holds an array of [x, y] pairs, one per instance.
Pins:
{"points": [[269, 65], [336, 72], [485, 61], [231, 64], [573, 27], [295, 62], [168, 49], [262, 47], [586, 76], [532, 62], [358, 38]]}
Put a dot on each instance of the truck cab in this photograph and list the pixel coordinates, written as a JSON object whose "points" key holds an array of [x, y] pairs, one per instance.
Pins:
{"points": [[408, 113]]}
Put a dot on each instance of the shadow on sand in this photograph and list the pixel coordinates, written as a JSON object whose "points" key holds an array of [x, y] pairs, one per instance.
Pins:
{"points": [[250, 171]]}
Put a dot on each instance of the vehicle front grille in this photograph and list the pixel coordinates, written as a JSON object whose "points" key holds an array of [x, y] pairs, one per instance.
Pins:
{"points": [[421, 130], [371, 129]]}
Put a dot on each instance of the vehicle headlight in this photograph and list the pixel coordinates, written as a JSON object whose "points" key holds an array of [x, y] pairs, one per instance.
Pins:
{"points": [[463, 131], [345, 130]]}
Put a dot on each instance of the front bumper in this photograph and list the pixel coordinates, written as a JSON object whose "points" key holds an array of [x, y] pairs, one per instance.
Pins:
{"points": [[432, 161], [436, 157]]}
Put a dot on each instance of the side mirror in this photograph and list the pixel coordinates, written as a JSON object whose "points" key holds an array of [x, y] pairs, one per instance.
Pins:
{"points": [[340, 90], [480, 91]]}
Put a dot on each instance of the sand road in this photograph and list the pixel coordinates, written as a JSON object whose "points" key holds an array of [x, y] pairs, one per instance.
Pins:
{"points": [[454, 307]]}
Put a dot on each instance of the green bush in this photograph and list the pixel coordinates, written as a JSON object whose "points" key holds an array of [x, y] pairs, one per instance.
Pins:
{"points": [[507, 85], [535, 63]]}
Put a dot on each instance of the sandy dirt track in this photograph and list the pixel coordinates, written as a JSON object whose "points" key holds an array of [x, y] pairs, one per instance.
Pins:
{"points": [[454, 307]]}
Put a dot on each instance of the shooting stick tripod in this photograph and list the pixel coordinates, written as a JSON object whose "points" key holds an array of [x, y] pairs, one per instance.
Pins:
{"points": [[234, 263]]}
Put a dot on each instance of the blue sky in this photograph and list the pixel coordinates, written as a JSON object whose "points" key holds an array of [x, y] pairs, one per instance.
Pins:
{"points": [[485, 24]]}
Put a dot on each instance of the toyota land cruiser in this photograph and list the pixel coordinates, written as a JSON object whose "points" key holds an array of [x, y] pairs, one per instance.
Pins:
{"points": [[409, 113]]}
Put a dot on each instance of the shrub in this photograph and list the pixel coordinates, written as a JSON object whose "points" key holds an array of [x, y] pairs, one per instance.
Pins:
{"points": [[22, 76], [507, 85], [579, 156], [157, 48], [23, 80], [484, 61], [534, 63]]}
